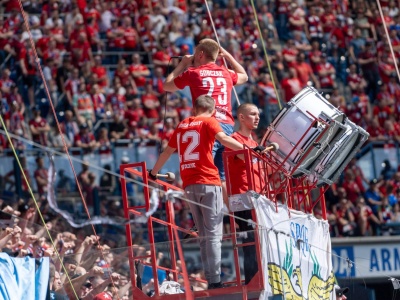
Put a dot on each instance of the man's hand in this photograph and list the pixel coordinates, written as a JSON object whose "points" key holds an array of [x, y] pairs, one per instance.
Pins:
{"points": [[258, 149], [187, 61], [32, 238], [49, 252], [96, 270], [16, 230], [153, 177], [115, 276]]}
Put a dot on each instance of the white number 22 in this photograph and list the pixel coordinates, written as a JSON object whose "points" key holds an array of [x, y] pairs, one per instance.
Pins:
{"points": [[220, 82], [193, 137]]}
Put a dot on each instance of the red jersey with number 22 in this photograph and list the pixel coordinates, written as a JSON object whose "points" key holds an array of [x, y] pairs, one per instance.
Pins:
{"points": [[194, 138], [212, 80]]}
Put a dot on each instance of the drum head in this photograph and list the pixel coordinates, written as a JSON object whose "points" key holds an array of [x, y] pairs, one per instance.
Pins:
{"points": [[313, 103], [333, 163]]}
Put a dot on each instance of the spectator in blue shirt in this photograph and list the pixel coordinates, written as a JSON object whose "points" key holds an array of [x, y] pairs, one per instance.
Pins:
{"points": [[374, 196]]}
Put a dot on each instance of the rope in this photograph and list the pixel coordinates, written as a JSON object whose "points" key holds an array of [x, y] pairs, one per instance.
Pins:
{"points": [[266, 54], [216, 37], [388, 38], [36, 204], [58, 126]]}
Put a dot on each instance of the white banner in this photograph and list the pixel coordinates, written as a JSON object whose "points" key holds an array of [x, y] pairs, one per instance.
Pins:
{"points": [[296, 253], [378, 260]]}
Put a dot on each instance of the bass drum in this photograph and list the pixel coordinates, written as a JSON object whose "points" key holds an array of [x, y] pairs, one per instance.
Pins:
{"points": [[309, 100], [331, 166], [301, 140]]}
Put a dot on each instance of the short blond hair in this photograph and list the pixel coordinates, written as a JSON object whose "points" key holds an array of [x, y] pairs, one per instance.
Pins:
{"points": [[242, 108], [209, 47], [204, 103]]}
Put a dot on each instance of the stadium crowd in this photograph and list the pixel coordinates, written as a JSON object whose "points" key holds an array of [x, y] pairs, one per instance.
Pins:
{"points": [[104, 63]]}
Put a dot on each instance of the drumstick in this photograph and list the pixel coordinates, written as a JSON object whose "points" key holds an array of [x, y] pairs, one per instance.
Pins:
{"points": [[271, 147], [169, 176]]}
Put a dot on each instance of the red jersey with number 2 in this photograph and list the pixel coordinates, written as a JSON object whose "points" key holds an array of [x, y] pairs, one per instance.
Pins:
{"points": [[194, 138], [212, 80]]}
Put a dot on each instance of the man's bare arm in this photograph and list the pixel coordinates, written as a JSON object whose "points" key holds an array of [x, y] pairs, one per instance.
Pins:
{"points": [[169, 84], [236, 66]]}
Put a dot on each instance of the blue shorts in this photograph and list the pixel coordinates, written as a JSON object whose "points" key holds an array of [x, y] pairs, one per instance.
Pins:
{"points": [[219, 148]]}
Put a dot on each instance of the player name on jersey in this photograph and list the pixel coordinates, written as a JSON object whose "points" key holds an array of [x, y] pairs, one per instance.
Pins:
{"points": [[191, 124], [213, 73], [188, 166]]}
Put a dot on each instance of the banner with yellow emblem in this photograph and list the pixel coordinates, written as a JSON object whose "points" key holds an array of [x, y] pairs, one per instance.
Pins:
{"points": [[296, 253]]}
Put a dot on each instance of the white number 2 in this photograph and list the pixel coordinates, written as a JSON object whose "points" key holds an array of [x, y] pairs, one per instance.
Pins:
{"points": [[220, 82], [189, 154]]}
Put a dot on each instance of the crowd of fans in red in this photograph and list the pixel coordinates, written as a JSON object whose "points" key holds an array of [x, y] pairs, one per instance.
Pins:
{"points": [[105, 61]]}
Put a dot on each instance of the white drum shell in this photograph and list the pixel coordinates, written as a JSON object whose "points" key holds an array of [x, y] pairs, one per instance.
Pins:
{"points": [[333, 163], [295, 134]]}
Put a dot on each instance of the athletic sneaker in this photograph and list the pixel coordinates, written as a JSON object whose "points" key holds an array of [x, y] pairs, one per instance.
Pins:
{"points": [[216, 285], [188, 235]]}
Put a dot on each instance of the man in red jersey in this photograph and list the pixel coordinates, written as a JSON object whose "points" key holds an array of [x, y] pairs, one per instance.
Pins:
{"points": [[194, 138], [39, 127], [204, 77], [248, 117]]}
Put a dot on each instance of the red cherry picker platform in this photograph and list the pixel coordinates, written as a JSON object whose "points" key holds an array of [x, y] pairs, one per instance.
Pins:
{"points": [[279, 187]]}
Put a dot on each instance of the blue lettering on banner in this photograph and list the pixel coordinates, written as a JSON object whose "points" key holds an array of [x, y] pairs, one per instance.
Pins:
{"points": [[300, 232], [339, 264], [396, 259], [384, 259]]}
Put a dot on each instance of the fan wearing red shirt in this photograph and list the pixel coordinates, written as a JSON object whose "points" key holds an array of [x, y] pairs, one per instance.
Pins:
{"points": [[5, 82], [391, 130], [248, 117], [115, 40], [143, 17], [138, 71], [81, 50], [100, 71], [131, 36], [345, 217], [184, 110], [134, 111], [85, 139], [355, 80], [351, 186], [314, 24], [150, 103], [304, 71], [203, 76], [43, 43], [92, 31], [161, 58], [376, 133], [381, 112], [122, 72], [325, 72], [28, 66], [72, 85], [314, 55], [289, 53], [291, 85], [194, 139], [360, 107], [386, 68], [116, 99], [39, 128], [327, 20], [40, 175]]}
